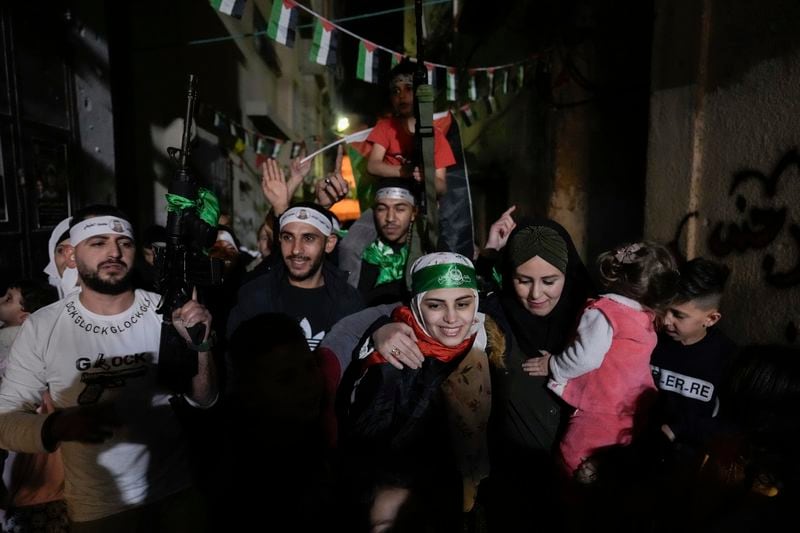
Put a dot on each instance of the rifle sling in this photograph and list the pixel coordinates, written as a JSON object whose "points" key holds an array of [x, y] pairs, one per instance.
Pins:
{"points": [[425, 96]]}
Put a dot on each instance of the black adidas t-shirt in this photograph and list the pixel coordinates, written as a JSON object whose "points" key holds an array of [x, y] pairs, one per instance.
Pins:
{"points": [[312, 308]]}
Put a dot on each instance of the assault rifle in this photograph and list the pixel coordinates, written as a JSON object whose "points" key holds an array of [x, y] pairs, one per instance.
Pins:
{"points": [[423, 139], [192, 214]]}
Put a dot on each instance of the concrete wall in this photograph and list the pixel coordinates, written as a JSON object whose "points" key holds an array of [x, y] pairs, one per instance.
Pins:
{"points": [[722, 174]]}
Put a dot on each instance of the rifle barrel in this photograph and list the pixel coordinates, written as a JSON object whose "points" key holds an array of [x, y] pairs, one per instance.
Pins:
{"points": [[187, 121]]}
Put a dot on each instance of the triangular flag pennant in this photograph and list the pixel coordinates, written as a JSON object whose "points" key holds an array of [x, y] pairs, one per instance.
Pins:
{"points": [[367, 69], [468, 115], [234, 132], [276, 149], [491, 104], [261, 146], [282, 22], [490, 75], [396, 59], [218, 120], [296, 147], [431, 73], [505, 81], [238, 146], [520, 76], [473, 89], [234, 8], [451, 84], [323, 47]]}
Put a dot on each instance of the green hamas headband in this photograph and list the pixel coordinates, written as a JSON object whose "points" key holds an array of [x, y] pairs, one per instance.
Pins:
{"points": [[446, 276], [538, 240]]}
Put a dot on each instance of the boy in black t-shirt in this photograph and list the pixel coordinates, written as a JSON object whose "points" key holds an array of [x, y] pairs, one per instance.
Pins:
{"points": [[691, 358]]}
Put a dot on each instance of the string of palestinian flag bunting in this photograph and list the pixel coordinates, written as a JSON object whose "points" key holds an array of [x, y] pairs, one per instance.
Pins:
{"points": [[282, 28]]}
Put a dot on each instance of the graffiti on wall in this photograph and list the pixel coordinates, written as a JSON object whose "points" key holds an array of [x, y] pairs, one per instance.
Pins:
{"points": [[758, 228], [761, 226]]}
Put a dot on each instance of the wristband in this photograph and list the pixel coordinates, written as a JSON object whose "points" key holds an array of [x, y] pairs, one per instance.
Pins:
{"points": [[204, 346]]}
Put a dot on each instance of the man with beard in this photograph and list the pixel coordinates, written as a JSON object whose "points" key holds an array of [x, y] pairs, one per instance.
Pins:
{"points": [[96, 351], [304, 285], [381, 276]]}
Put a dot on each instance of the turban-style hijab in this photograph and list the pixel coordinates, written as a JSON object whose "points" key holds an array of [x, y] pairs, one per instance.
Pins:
{"points": [[549, 240], [542, 241]]}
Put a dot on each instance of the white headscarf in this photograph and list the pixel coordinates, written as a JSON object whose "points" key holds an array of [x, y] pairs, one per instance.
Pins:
{"points": [[447, 280], [69, 280]]}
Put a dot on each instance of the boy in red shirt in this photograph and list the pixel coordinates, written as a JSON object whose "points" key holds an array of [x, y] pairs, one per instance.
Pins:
{"points": [[393, 138]]}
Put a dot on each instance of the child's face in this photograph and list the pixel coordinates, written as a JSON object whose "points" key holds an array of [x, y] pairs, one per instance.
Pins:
{"points": [[687, 323], [11, 311], [402, 97]]}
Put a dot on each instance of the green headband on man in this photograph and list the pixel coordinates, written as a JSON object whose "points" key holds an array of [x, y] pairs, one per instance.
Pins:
{"points": [[541, 241]]}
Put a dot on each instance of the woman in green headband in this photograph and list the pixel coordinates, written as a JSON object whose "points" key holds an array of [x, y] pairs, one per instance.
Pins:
{"points": [[432, 417]]}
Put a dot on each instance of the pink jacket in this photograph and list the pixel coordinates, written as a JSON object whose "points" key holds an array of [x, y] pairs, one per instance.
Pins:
{"points": [[624, 376]]}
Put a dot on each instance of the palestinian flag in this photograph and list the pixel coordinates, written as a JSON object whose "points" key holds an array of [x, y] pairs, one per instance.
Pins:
{"points": [[505, 81], [296, 147], [491, 105], [451, 84], [282, 22], [262, 152], [234, 8], [490, 75], [431, 73], [367, 69], [323, 47], [358, 150], [396, 59], [276, 149], [468, 115], [473, 89]]}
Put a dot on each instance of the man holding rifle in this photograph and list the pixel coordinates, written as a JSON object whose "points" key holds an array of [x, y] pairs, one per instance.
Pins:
{"points": [[125, 455]]}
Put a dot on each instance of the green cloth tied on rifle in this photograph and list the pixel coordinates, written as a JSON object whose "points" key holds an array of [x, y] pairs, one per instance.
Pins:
{"points": [[392, 264], [206, 206]]}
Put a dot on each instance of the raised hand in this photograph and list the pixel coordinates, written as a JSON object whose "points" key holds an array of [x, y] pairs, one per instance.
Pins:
{"points": [[298, 170], [274, 186], [334, 187], [501, 229]]}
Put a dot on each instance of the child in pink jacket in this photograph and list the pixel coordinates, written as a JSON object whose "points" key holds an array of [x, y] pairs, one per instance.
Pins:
{"points": [[605, 373]]}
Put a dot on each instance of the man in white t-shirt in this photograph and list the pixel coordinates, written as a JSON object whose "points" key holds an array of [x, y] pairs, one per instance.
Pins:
{"points": [[96, 351]]}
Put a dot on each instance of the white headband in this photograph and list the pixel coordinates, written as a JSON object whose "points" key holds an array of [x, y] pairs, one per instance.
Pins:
{"points": [[309, 216], [396, 193], [99, 226], [225, 236]]}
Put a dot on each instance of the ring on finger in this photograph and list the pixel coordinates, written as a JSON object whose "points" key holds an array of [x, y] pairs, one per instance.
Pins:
{"points": [[395, 351], [328, 181]]}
